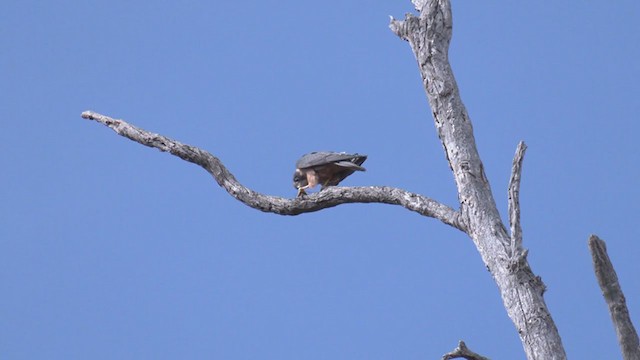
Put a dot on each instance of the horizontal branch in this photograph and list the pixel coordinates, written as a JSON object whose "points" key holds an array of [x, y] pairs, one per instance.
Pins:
{"points": [[330, 197], [608, 281]]}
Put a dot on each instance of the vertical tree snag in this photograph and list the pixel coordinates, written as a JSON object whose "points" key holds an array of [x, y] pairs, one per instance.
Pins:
{"points": [[429, 35], [612, 292]]}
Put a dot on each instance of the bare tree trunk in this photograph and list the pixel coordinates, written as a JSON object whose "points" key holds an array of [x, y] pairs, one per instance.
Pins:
{"points": [[522, 292]]}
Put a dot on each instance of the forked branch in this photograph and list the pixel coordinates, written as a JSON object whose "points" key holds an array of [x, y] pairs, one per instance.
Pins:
{"points": [[608, 281], [462, 351], [330, 197]]}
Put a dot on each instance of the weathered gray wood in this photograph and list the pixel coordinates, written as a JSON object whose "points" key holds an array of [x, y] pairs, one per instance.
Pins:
{"points": [[514, 199], [462, 351], [522, 292], [612, 292], [330, 197]]}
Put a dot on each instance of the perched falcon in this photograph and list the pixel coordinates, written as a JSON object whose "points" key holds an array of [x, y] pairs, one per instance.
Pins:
{"points": [[326, 168]]}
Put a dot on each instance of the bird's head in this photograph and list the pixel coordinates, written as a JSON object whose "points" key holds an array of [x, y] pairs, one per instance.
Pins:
{"points": [[299, 179]]}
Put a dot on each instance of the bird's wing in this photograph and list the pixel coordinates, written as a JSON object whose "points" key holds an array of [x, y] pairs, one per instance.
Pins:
{"points": [[350, 165], [326, 157]]}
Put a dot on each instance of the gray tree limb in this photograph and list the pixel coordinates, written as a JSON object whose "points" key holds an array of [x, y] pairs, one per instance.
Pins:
{"points": [[514, 199], [429, 35], [462, 351], [612, 292], [330, 197]]}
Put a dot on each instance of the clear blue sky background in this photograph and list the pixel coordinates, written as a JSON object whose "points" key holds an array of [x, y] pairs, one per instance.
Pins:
{"points": [[111, 250]]}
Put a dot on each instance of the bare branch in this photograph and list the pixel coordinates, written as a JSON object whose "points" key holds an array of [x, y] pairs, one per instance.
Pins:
{"points": [[608, 281], [330, 197], [514, 200], [462, 351]]}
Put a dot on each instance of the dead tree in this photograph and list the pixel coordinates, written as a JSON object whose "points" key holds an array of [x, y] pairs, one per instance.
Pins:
{"points": [[501, 250]]}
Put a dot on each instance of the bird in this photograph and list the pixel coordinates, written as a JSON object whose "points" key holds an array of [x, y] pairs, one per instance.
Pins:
{"points": [[326, 168]]}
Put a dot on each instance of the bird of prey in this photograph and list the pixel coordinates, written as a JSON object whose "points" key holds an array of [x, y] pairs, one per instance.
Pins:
{"points": [[326, 168]]}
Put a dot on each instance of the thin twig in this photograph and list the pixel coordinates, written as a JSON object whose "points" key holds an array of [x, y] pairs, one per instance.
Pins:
{"points": [[612, 292], [330, 197]]}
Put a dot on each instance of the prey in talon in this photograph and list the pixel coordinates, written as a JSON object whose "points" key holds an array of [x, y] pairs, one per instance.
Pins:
{"points": [[326, 168]]}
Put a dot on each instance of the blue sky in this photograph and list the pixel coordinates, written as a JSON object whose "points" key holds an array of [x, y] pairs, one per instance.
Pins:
{"points": [[111, 250]]}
